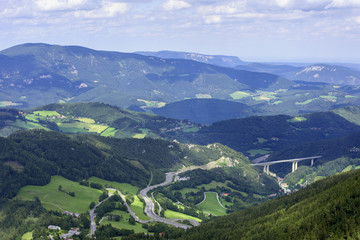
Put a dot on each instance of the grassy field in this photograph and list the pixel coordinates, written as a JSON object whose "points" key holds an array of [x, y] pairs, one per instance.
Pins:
{"points": [[53, 199], [124, 188], [85, 120], [297, 119], [137, 207], [80, 127], [46, 113], [178, 215], [211, 205], [144, 132], [124, 222], [239, 95], [29, 125], [109, 132], [193, 129], [187, 190], [153, 104], [27, 236]]}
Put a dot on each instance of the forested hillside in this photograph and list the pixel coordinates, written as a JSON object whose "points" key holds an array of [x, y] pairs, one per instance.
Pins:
{"points": [[259, 135], [328, 209]]}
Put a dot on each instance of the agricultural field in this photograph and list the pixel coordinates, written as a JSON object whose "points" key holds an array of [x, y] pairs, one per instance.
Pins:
{"points": [[109, 132], [29, 125], [53, 199], [211, 205], [152, 104], [124, 222], [46, 113], [239, 95], [67, 124], [143, 133], [81, 127]]}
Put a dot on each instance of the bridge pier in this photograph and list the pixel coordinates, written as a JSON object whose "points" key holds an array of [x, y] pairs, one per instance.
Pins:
{"points": [[266, 169], [294, 166], [312, 162]]}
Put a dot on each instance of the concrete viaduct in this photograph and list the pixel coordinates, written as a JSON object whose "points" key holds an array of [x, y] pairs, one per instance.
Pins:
{"points": [[294, 162]]}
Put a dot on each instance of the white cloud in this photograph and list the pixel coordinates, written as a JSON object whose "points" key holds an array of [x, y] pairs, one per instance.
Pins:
{"points": [[212, 19], [358, 19], [343, 3], [283, 3], [175, 5], [107, 10], [54, 5]]}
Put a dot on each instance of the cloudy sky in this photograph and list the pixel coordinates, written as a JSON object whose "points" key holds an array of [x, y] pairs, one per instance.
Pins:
{"points": [[254, 30]]}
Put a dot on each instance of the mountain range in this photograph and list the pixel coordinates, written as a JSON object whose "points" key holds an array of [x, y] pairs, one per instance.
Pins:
{"points": [[36, 74]]}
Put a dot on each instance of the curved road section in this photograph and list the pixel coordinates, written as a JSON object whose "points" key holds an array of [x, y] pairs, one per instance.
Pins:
{"points": [[150, 206]]}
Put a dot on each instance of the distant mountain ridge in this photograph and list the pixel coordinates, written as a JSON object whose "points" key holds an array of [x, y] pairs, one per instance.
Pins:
{"points": [[220, 60], [73, 73]]}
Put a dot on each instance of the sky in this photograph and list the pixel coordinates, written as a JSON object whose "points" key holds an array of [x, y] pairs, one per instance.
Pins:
{"points": [[253, 30]]}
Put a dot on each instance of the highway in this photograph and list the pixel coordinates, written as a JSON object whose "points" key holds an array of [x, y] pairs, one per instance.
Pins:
{"points": [[149, 209], [150, 206]]}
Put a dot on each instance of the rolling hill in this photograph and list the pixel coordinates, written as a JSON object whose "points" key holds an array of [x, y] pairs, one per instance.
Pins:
{"points": [[204, 110], [73, 73], [259, 135]]}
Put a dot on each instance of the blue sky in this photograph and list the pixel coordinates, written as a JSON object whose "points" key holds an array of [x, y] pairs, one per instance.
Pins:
{"points": [[254, 30]]}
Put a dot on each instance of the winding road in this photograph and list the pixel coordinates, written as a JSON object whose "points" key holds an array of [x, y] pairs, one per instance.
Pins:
{"points": [[150, 206], [92, 217], [149, 209]]}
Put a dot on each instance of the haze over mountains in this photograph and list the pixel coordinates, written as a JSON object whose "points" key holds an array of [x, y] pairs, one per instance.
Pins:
{"points": [[77, 74]]}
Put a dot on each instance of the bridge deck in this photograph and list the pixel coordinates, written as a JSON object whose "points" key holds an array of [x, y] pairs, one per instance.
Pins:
{"points": [[284, 161]]}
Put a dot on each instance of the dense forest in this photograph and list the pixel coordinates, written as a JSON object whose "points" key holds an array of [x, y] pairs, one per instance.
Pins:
{"points": [[327, 209], [273, 132]]}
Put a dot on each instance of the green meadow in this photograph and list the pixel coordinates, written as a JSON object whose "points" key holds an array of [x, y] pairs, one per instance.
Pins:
{"points": [[124, 188], [53, 199], [109, 132], [81, 127], [124, 222], [211, 205], [137, 206], [177, 215], [46, 113], [239, 95]]}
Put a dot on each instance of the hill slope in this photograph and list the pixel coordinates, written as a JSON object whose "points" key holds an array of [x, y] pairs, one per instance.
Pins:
{"points": [[327, 209], [258, 135], [118, 78], [204, 110]]}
